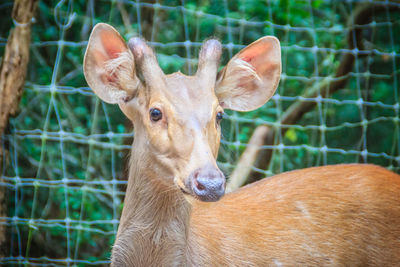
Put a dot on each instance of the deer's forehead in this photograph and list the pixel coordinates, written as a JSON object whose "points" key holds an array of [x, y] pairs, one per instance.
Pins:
{"points": [[188, 96]]}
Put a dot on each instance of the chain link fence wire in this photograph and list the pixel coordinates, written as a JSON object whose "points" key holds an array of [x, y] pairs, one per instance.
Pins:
{"points": [[65, 154]]}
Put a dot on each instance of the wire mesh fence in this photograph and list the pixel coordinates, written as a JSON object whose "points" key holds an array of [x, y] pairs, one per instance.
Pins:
{"points": [[65, 153]]}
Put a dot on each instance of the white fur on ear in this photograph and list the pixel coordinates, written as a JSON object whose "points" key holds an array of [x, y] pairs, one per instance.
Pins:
{"points": [[251, 77], [123, 68], [237, 74]]}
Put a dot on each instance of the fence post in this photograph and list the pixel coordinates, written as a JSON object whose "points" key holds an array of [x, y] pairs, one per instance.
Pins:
{"points": [[12, 79]]}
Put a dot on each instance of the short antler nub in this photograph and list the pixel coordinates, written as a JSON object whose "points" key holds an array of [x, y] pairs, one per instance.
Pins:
{"points": [[146, 63], [139, 47], [209, 57]]}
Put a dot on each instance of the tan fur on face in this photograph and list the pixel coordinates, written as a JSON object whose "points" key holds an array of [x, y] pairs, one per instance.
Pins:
{"points": [[188, 136]]}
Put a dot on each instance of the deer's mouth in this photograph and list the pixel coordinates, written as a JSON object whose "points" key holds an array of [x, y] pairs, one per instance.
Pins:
{"points": [[184, 191], [182, 187]]}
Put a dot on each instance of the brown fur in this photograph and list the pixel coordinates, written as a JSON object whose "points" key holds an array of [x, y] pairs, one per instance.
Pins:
{"points": [[344, 215]]}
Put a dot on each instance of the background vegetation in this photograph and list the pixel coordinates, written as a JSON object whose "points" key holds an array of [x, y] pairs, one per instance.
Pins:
{"points": [[64, 171]]}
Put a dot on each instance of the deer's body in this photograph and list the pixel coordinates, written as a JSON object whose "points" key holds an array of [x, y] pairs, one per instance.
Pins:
{"points": [[341, 215], [344, 215]]}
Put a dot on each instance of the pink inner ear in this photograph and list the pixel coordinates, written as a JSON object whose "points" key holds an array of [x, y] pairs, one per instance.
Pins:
{"points": [[255, 52], [105, 78], [100, 59], [112, 43], [258, 56]]}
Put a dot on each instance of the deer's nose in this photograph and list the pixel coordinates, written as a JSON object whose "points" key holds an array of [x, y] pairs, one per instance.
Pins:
{"points": [[207, 183]]}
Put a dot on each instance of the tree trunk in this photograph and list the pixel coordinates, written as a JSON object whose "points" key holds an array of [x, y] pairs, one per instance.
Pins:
{"points": [[12, 79]]}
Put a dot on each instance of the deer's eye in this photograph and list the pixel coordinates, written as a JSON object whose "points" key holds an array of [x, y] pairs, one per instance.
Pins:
{"points": [[219, 116], [155, 114]]}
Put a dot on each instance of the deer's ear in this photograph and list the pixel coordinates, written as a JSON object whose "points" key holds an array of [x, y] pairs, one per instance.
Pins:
{"points": [[109, 65], [251, 77]]}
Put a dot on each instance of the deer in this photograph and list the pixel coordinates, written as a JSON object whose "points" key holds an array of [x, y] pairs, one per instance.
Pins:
{"points": [[176, 212]]}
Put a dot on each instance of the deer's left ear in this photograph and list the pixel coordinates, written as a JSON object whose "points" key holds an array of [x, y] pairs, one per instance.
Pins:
{"points": [[251, 77]]}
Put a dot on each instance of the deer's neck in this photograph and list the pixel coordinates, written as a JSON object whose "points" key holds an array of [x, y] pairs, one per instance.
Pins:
{"points": [[154, 224]]}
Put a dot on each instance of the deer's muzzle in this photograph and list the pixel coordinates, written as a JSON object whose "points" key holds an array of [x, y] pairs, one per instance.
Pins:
{"points": [[207, 183]]}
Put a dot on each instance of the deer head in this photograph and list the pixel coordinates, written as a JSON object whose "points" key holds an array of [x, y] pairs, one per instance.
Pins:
{"points": [[177, 117]]}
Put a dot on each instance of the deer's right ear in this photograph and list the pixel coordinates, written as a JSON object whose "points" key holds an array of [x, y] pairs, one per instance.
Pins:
{"points": [[109, 66]]}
